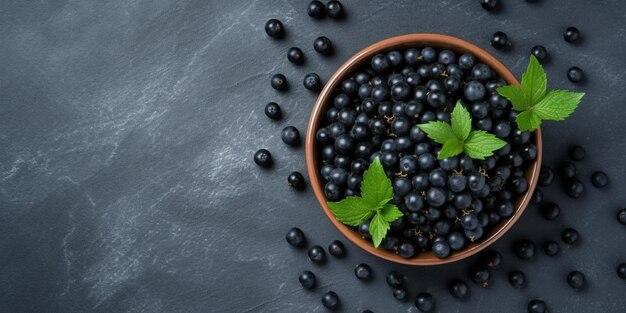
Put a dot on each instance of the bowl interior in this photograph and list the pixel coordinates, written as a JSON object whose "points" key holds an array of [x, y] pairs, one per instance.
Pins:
{"points": [[356, 62]]}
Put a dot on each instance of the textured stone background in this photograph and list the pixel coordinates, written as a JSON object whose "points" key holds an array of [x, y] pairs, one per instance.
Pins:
{"points": [[127, 130]]}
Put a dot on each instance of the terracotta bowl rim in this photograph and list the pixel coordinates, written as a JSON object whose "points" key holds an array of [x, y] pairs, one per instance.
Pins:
{"points": [[353, 64]]}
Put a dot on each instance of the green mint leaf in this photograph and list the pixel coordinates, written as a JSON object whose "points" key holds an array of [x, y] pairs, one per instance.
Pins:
{"points": [[528, 120], [351, 210], [390, 212], [438, 131], [534, 82], [378, 229], [481, 144], [515, 95], [558, 105], [461, 121], [451, 148], [376, 189]]}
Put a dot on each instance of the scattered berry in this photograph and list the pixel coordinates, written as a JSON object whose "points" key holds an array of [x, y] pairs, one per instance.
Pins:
{"points": [[394, 279], [500, 40], [481, 276], [621, 216], [621, 271], [291, 136], [323, 45], [492, 258], [577, 153], [539, 52], [330, 300], [272, 110], [295, 55], [295, 237], [551, 248], [599, 179], [571, 34], [425, 302], [570, 236], [279, 82], [550, 211], [307, 280], [312, 82], [335, 9], [459, 289], [575, 74], [274, 28], [316, 9], [295, 180], [263, 158], [337, 249], [406, 250], [546, 176], [537, 197], [317, 255], [576, 280], [525, 249], [517, 279], [575, 188], [489, 5], [399, 293], [537, 306], [568, 170], [363, 271]]}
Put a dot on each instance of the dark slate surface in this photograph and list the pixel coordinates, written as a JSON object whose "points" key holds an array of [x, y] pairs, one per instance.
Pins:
{"points": [[127, 130]]}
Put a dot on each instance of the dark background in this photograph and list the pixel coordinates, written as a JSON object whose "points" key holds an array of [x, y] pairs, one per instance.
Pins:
{"points": [[127, 130]]}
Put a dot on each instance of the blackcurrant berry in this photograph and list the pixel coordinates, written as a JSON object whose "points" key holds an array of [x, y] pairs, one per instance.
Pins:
{"points": [[394, 279], [291, 136], [330, 300], [363, 271], [295, 180], [621, 216], [316, 9], [524, 249], [263, 158], [550, 211], [279, 82], [406, 250], [295, 55], [575, 74], [576, 280], [335, 9], [572, 34], [539, 52], [570, 236], [337, 249], [500, 40], [272, 110], [459, 289], [575, 188], [317, 255], [621, 271], [323, 45], [364, 230], [599, 179], [399, 293], [295, 237], [537, 306], [489, 5], [568, 170], [577, 153], [481, 276], [517, 279], [274, 28], [474, 90], [312, 82], [307, 280], [492, 258], [425, 302], [551, 248], [441, 249]]}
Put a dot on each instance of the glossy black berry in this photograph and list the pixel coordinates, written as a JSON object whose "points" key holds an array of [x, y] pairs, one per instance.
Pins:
{"points": [[572, 34], [330, 300], [274, 28], [490, 5], [272, 110], [295, 180], [599, 179], [524, 249], [621, 271], [459, 289], [312, 82], [621, 216], [295, 55], [481, 276], [474, 90], [406, 250], [334, 9], [576, 280], [575, 188], [537, 306], [550, 211], [441, 249], [263, 158], [425, 302], [570, 236], [399, 293], [363, 271], [316, 9], [307, 280], [551, 248], [290, 135], [279, 82], [539, 52], [323, 45], [491, 258], [295, 237], [577, 153], [394, 279], [500, 40], [364, 230], [317, 255], [568, 170], [517, 279], [575, 74], [337, 249]]}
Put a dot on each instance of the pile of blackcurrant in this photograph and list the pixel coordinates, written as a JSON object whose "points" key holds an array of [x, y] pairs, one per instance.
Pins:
{"points": [[447, 203]]}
